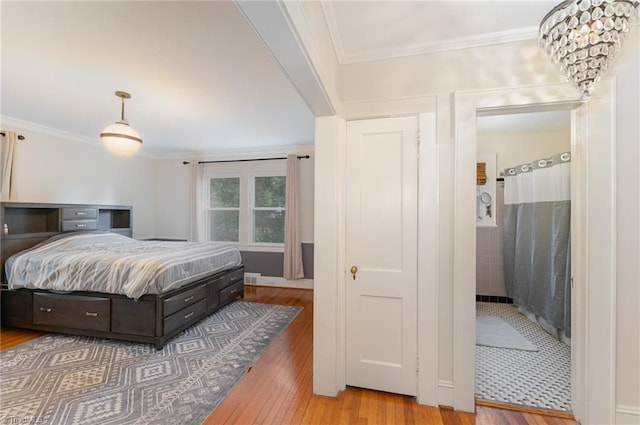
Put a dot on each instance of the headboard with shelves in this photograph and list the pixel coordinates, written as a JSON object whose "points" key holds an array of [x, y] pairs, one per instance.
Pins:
{"points": [[26, 224]]}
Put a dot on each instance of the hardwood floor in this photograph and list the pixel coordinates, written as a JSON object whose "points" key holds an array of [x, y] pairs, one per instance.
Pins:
{"points": [[278, 389], [11, 336]]}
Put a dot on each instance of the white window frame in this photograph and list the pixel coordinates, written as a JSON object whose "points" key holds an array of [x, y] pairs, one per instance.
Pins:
{"points": [[247, 172], [252, 208], [209, 209]]}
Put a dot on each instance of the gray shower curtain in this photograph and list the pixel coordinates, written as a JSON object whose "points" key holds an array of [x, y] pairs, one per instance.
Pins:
{"points": [[537, 238]]}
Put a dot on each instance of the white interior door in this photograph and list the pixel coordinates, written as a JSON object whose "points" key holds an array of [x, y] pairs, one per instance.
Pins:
{"points": [[381, 296]]}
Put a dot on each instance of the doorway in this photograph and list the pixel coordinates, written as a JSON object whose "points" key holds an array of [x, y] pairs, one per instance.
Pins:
{"points": [[593, 246], [523, 351]]}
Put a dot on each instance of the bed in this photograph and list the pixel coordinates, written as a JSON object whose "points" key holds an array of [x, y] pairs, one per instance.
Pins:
{"points": [[59, 277]]}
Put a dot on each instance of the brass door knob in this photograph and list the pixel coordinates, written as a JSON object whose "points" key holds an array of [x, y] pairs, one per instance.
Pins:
{"points": [[354, 270]]}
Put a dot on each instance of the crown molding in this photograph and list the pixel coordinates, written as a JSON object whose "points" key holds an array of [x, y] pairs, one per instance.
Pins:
{"points": [[25, 125], [445, 45], [50, 131], [529, 33]]}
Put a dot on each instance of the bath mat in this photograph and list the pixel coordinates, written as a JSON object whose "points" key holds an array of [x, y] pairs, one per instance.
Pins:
{"points": [[73, 380], [494, 332]]}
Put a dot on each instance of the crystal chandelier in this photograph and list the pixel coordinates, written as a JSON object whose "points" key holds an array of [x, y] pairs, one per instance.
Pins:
{"points": [[583, 36]]}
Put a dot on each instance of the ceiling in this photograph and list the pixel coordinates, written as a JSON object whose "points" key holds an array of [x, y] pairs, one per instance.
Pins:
{"points": [[372, 30], [202, 81]]}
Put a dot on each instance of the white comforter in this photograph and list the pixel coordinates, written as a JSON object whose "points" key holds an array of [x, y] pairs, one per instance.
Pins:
{"points": [[116, 264]]}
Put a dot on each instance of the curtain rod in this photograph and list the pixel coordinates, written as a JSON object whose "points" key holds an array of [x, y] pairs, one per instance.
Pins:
{"points": [[244, 160], [20, 136]]}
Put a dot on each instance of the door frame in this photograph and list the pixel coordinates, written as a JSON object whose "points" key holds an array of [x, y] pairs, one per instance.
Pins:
{"points": [[593, 265], [408, 154], [329, 361], [428, 241]]}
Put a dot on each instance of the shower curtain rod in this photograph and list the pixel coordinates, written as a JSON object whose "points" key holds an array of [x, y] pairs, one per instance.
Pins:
{"points": [[244, 160], [20, 136]]}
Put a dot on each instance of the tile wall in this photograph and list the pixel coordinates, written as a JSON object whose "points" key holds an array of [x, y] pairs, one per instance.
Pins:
{"points": [[489, 259]]}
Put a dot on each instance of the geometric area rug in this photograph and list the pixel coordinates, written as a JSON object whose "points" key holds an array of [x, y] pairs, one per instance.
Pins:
{"points": [[62, 379]]}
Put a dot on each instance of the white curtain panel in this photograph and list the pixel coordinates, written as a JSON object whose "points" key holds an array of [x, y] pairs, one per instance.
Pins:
{"points": [[196, 203], [293, 268], [537, 235], [8, 150]]}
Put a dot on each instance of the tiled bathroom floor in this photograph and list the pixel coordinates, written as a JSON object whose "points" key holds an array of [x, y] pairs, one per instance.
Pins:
{"points": [[536, 379]]}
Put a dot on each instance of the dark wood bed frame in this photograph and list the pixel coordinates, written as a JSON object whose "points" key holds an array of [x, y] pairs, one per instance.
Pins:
{"points": [[151, 319]]}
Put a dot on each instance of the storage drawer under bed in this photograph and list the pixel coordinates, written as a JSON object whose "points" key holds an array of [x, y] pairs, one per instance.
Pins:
{"points": [[229, 293], [183, 299], [71, 311], [231, 278], [183, 316]]}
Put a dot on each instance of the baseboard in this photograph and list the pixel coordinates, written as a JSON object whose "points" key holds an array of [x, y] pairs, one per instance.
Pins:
{"points": [[627, 415], [279, 282], [445, 393]]}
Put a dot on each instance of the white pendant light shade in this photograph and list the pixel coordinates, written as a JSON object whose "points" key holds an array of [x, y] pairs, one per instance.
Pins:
{"points": [[120, 138], [582, 37]]}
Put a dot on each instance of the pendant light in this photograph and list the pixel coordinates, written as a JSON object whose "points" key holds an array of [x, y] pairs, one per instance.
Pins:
{"points": [[120, 138]]}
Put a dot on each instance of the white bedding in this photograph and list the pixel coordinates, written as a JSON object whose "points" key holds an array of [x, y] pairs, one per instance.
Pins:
{"points": [[115, 264]]}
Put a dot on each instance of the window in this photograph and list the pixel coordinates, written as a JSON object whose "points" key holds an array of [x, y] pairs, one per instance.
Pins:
{"points": [[268, 209], [224, 209], [246, 204]]}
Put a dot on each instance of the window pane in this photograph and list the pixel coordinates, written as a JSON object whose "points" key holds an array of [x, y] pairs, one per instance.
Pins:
{"points": [[225, 192], [224, 225], [269, 226], [269, 192]]}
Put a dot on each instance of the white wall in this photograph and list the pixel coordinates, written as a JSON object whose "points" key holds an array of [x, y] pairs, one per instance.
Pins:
{"points": [[501, 65], [519, 148], [328, 376], [172, 199], [627, 72], [51, 168]]}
